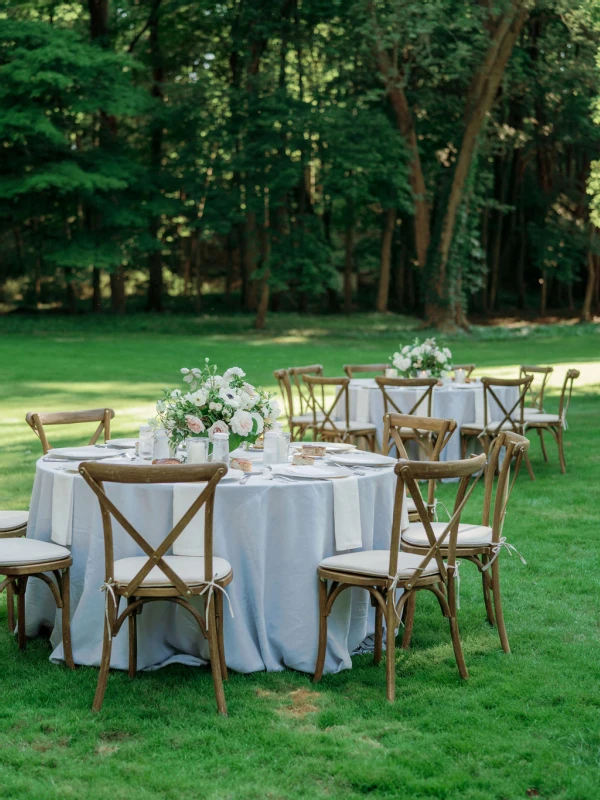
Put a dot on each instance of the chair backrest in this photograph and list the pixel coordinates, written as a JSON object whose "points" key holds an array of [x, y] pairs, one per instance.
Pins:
{"points": [[96, 474], [505, 456], [409, 472], [514, 413], [536, 396], [37, 421], [440, 430], [467, 368], [324, 408], [301, 403], [282, 376], [352, 369], [424, 400], [567, 390]]}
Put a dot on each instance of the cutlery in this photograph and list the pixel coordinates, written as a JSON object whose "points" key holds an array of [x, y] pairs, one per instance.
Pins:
{"points": [[245, 479]]}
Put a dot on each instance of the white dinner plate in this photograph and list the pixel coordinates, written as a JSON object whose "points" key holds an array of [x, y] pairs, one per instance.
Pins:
{"points": [[361, 459], [330, 447], [122, 444], [87, 453], [322, 471], [234, 475]]}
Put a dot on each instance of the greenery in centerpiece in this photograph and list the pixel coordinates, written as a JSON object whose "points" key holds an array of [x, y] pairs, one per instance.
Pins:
{"points": [[425, 356], [216, 404]]}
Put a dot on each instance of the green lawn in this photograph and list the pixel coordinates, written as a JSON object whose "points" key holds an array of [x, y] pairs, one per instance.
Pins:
{"points": [[524, 725]]}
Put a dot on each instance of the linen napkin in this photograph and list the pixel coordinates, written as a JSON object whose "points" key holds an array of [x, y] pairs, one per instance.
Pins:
{"points": [[62, 508], [346, 514], [191, 541], [362, 404]]}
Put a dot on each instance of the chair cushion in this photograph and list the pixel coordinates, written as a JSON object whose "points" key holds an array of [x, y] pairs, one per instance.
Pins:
{"points": [[189, 568], [377, 563], [546, 419], [20, 552], [12, 520], [410, 504], [531, 412], [468, 535], [303, 419]]}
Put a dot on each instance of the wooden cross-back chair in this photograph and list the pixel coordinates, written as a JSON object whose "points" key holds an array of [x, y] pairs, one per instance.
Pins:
{"points": [[299, 399], [325, 425], [352, 370], [13, 524], [381, 572], [536, 394], [37, 421], [441, 431], [555, 424], [508, 417], [176, 579], [480, 544], [422, 407], [467, 368]]}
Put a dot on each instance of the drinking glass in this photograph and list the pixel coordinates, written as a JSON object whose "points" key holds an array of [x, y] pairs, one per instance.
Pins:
{"points": [[221, 448], [284, 446], [391, 373], [146, 444], [161, 444], [271, 448], [197, 450]]}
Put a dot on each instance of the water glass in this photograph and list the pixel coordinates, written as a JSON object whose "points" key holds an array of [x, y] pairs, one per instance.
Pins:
{"points": [[146, 443], [221, 448], [271, 449], [161, 444], [284, 446], [197, 450], [391, 373]]}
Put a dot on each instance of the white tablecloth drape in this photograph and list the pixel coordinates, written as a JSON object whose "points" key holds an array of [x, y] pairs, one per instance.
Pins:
{"points": [[273, 534], [462, 403]]}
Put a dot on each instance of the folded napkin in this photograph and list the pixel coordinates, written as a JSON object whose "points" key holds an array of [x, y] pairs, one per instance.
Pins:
{"points": [[362, 404], [346, 514], [62, 508], [191, 541]]}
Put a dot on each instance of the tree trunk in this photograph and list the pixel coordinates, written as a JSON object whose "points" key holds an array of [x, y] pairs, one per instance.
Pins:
{"points": [[543, 293], [348, 264], [71, 297], [249, 265], [96, 293], [117, 290], [155, 266], [586, 310], [386, 261]]}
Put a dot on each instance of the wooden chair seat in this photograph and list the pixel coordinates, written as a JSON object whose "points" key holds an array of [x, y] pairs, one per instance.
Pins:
{"points": [[375, 563], [19, 552], [189, 568], [11, 521], [468, 535]]}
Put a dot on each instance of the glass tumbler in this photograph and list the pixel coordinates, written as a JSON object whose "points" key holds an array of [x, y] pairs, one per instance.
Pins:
{"points": [[146, 445]]}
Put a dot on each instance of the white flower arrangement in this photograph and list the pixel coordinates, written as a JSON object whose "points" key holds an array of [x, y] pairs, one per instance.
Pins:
{"points": [[216, 404], [425, 356]]}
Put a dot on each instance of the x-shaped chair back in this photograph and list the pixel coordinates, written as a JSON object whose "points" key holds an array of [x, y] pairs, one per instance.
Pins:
{"points": [[320, 403], [513, 415], [351, 369], [565, 395], [409, 472], [284, 383], [36, 422], [536, 399], [97, 474], [296, 375], [424, 401], [515, 449]]}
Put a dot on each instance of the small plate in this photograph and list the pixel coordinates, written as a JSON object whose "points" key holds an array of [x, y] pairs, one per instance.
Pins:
{"points": [[87, 453], [361, 459], [320, 472], [330, 447], [234, 475], [122, 444]]}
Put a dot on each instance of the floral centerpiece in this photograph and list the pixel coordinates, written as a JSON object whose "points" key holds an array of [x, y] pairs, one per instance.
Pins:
{"points": [[420, 357], [216, 404]]}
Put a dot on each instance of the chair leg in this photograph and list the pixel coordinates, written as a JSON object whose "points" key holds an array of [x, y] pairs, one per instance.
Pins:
{"points": [[132, 627], [487, 598], [542, 443], [66, 617], [221, 635], [378, 649], [409, 620], [561, 450], [104, 669], [457, 645], [463, 446], [322, 651], [390, 647], [10, 607], [498, 605], [215, 661], [529, 467], [21, 586]]}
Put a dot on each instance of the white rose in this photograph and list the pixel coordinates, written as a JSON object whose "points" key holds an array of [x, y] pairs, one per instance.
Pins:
{"points": [[440, 357], [242, 423], [447, 353], [402, 364], [218, 427], [260, 424], [274, 411], [249, 389]]}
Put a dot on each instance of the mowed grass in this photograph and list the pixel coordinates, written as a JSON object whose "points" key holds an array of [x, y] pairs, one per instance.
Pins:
{"points": [[524, 725]]}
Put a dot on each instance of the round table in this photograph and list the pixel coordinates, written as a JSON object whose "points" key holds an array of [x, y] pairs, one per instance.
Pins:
{"points": [[273, 534], [461, 402]]}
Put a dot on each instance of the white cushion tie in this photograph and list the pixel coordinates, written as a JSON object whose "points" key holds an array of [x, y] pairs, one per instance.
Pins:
{"points": [[497, 546]]}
